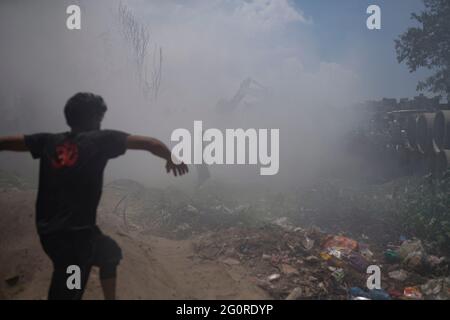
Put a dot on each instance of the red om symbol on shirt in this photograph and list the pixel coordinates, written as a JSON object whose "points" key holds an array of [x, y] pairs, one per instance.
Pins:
{"points": [[67, 155]]}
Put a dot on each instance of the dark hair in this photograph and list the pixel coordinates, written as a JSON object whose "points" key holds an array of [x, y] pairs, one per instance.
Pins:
{"points": [[85, 110]]}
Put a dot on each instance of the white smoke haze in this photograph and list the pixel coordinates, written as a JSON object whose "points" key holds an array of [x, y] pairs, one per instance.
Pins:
{"points": [[208, 49]]}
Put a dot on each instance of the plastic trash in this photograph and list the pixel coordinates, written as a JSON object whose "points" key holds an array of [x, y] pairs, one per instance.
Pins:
{"points": [[366, 253], [358, 262], [340, 243], [395, 293], [412, 293], [312, 259], [399, 275], [325, 256], [409, 247], [295, 294], [415, 260], [231, 262], [288, 269], [358, 292], [379, 294], [266, 256], [332, 259], [338, 274], [335, 253], [274, 277], [433, 261], [375, 294], [391, 256], [307, 243], [360, 298], [437, 289]]}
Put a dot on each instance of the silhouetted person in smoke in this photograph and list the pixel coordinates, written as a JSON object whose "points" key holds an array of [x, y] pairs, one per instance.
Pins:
{"points": [[70, 187]]}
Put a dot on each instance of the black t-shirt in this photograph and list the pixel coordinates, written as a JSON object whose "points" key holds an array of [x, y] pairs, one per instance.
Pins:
{"points": [[71, 176]]}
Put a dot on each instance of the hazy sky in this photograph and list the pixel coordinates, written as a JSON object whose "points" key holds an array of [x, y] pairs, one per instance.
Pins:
{"points": [[314, 57], [302, 32], [339, 30]]}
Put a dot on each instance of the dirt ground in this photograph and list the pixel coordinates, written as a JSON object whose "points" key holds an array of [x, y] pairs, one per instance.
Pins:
{"points": [[152, 268], [207, 251]]}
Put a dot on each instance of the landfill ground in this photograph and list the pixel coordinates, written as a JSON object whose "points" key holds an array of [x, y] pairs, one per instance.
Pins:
{"points": [[204, 247]]}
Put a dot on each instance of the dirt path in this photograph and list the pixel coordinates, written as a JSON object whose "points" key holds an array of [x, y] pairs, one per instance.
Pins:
{"points": [[152, 268]]}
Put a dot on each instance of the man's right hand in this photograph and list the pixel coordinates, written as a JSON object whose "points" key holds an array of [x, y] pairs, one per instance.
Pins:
{"points": [[178, 169], [159, 149]]}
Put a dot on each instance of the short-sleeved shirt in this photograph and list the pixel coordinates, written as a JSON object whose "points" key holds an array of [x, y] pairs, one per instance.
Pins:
{"points": [[71, 176]]}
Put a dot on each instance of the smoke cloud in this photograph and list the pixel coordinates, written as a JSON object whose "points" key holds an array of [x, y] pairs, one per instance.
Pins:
{"points": [[199, 52]]}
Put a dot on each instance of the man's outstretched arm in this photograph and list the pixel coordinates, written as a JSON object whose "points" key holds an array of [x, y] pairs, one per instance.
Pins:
{"points": [[159, 149], [13, 143]]}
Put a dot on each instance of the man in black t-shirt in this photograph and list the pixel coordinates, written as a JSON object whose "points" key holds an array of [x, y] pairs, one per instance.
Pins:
{"points": [[70, 188]]}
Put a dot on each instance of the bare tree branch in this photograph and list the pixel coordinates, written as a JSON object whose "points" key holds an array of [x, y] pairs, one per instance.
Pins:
{"points": [[138, 37]]}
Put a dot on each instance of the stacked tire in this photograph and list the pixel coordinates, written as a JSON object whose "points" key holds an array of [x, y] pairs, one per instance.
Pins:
{"points": [[428, 135], [441, 141]]}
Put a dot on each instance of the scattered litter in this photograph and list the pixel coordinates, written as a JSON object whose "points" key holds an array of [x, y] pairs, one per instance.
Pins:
{"points": [[295, 294], [338, 274], [341, 244], [325, 256], [434, 261], [438, 289], [266, 256], [325, 271], [396, 294], [375, 294], [379, 294], [360, 298], [412, 293], [231, 262], [358, 292], [335, 253], [307, 243], [365, 251], [391, 256], [274, 277], [312, 259], [399, 275], [358, 262], [288, 269], [414, 260], [410, 247]]}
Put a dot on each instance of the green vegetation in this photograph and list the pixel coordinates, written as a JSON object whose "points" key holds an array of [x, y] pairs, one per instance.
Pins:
{"points": [[428, 46]]}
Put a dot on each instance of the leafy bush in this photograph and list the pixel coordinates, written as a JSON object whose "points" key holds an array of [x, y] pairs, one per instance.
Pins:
{"points": [[424, 209]]}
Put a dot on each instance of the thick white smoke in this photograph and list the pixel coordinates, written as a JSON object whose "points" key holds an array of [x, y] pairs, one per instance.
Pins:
{"points": [[208, 48]]}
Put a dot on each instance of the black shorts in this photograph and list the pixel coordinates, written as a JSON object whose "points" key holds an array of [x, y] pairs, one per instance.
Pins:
{"points": [[82, 249]]}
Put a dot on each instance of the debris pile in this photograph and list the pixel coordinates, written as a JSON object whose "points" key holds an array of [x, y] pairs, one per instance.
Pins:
{"points": [[288, 261], [295, 263]]}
